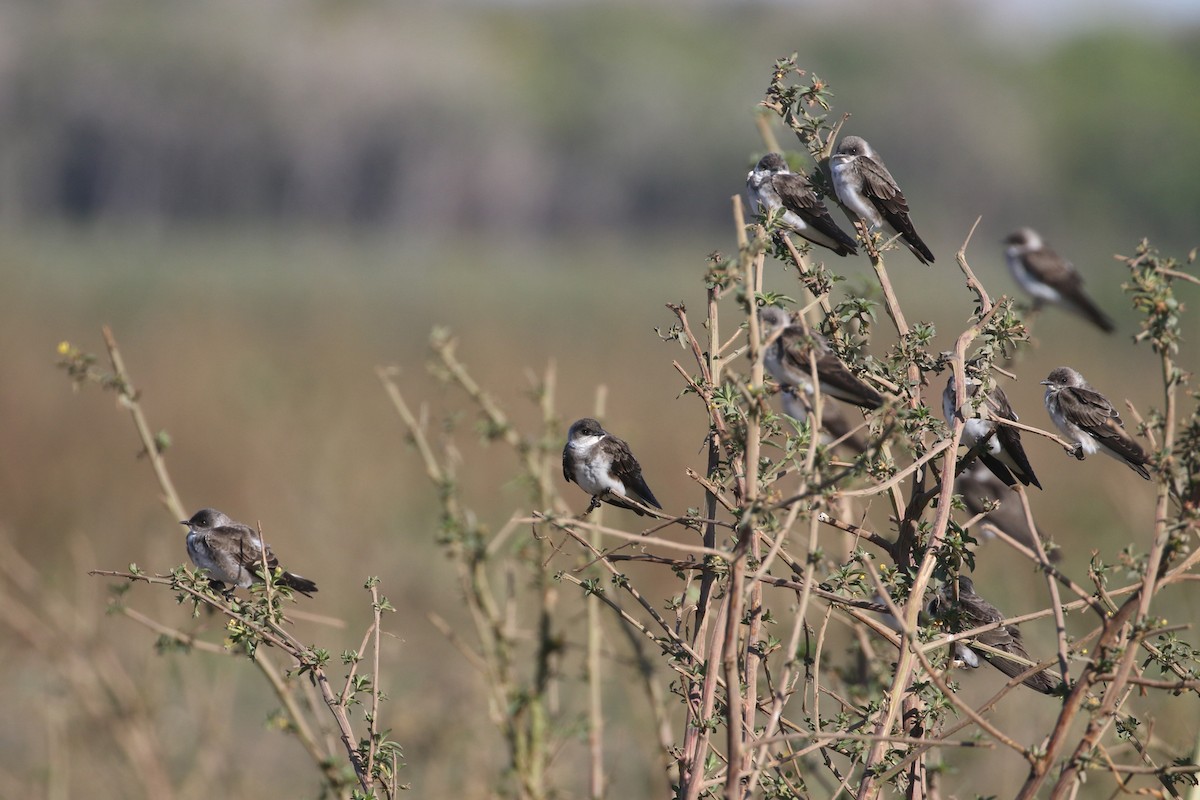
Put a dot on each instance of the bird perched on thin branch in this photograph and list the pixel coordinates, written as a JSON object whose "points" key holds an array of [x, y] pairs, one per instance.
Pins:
{"points": [[605, 468], [970, 611], [1088, 419], [235, 554], [787, 358], [1004, 454], [1049, 277], [776, 188], [869, 192]]}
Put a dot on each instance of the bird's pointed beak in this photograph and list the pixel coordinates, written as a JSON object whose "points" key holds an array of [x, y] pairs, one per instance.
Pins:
{"points": [[183, 522], [1045, 383]]}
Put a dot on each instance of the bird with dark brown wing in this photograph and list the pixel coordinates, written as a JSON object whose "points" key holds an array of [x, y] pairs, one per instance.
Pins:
{"points": [[1050, 278], [605, 468], [971, 611], [234, 554], [787, 359], [1088, 419], [868, 191], [774, 187], [1004, 454]]}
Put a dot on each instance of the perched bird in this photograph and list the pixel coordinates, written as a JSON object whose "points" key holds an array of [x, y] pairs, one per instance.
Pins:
{"points": [[604, 467], [797, 402], [866, 188], [233, 553], [963, 656], [972, 611], [1004, 454], [1088, 419], [1049, 277], [787, 358], [772, 186], [981, 489]]}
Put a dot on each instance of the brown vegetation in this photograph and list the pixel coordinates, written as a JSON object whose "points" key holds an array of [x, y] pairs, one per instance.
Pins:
{"points": [[513, 635]]}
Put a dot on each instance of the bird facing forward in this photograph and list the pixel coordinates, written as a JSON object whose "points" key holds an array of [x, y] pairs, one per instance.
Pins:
{"points": [[604, 467], [234, 554]]}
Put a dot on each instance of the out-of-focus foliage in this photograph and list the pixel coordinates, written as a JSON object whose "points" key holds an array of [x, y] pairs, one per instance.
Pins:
{"points": [[553, 118], [1132, 160]]}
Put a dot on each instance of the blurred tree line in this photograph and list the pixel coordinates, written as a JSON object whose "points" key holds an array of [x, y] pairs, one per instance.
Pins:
{"points": [[535, 119]]}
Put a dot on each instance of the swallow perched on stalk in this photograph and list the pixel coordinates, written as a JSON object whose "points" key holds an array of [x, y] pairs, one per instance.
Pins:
{"points": [[605, 468], [1004, 454], [1088, 419], [234, 554], [869, 192], [787, 358], [774, 187]]}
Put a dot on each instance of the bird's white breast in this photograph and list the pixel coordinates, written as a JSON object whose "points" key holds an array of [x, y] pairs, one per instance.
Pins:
{"points": [[1072, 431], [199, 552], [593, 467], [1040, 290], [204, 558], [782, 371], [768, 201], [976, 430], [849, 191]]}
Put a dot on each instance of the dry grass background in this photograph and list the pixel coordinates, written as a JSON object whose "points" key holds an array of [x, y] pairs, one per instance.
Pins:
{"points": [[255, 347], [257, 352]]}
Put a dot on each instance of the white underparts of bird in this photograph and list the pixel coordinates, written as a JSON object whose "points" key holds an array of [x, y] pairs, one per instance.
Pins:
{"points": [[1003, 454], [1090, 421], [234, 554], [1050, 278], [789, 358], [776, 189], [604, 467], [869, 193]]}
